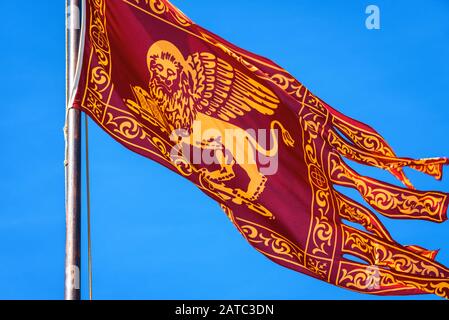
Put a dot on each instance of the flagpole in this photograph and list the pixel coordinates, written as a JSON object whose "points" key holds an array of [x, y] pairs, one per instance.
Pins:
{"points": [[72, 285]]}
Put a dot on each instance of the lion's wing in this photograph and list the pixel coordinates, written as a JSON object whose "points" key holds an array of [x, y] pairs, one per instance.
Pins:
{"points": [[220, 90]]}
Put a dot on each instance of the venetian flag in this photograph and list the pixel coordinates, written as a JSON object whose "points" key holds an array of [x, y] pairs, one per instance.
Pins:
{"points": [[256, 140]]}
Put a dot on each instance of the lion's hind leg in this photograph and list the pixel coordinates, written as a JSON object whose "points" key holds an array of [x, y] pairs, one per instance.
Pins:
{"points": [[256, 185], [226, 171]]}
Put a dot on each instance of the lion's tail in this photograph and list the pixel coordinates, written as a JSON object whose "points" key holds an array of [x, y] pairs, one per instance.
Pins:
{"points": [[286, 137]]}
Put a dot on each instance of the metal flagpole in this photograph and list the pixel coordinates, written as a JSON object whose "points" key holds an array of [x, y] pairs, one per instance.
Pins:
{"points": [[72, 286]]}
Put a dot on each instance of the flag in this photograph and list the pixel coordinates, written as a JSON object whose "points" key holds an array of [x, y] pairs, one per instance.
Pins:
{"points": [[261, 144]]}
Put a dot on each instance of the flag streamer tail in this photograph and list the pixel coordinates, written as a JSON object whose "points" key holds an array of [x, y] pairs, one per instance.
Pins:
{"points": [[426, 253], [372, 279], [376, 251], [357, 213], [402, 262], [389, 200], [373, 157]]}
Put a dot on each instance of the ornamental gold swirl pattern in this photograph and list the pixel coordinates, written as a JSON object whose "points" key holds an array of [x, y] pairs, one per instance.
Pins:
{"points": [[407, 204], [358, 214], [348, 151], [388, 198], [99, 82], [127, 127], [432, 167], [322, 232], [276, 243], [318, 266], [366, 278], [99, 88], [287, 83], [440, 288], [163, 8], [375, 144], [380, 253], [363, 139], [316, 104], [373, 279], [369, 158]]}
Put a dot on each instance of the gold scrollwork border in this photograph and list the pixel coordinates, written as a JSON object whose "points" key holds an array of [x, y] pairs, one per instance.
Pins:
{"points": [[99, 87], [321, 239]]}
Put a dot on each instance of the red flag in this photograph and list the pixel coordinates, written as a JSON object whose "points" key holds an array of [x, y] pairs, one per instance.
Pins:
{"points": [[258, 142]]}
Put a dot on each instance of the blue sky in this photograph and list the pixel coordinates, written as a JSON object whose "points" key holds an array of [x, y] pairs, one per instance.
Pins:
{"points": [[147, 245]]}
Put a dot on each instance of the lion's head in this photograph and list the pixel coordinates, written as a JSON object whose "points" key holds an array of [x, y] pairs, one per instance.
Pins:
{"points": [[166, 68], [164, 72]]}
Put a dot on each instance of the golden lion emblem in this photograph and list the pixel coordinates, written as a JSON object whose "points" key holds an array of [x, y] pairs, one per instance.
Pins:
{"points": [[199, 95]]}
